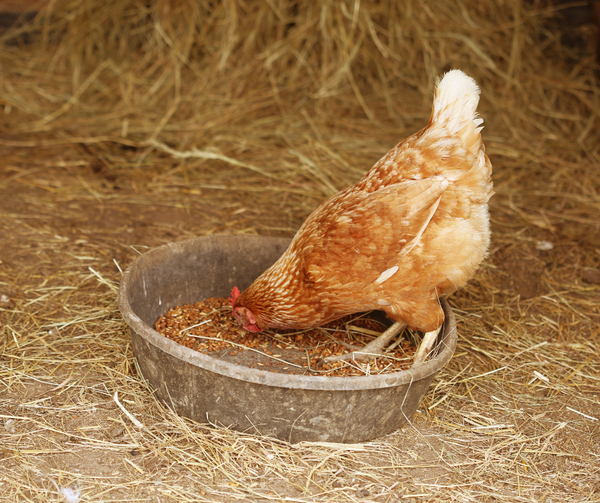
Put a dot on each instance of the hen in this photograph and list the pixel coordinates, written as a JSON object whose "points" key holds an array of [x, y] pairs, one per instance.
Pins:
{"points": [[414, 228]]}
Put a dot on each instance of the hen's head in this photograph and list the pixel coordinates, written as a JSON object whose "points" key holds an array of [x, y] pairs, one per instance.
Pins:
{"points": [[242, 315]]}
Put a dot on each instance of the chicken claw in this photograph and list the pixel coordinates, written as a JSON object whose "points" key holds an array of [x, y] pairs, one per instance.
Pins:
{"points": [[373, 349], [426, 346]]}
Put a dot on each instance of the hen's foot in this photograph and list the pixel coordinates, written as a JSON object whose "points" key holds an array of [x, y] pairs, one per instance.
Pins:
{"points": [[373, 349], [426, 346]]}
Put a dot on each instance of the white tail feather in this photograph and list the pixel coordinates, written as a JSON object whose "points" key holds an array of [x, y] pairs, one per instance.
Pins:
{"points": [[456, 100]]}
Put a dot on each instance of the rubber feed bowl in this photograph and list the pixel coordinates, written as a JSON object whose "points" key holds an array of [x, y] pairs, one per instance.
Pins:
{"points": [[208, 390]]}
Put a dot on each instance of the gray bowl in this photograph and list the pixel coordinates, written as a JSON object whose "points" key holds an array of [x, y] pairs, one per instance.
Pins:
{"points": [[211, 390]]}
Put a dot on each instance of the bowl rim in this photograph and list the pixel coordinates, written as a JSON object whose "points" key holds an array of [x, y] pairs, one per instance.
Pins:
{"points": [[446, 346]]}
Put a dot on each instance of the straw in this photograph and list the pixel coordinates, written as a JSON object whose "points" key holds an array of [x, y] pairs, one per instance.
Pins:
{"points": [[127, 125]]}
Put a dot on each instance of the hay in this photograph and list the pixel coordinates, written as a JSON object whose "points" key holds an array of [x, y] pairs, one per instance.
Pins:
{"points": [[126, 125]]}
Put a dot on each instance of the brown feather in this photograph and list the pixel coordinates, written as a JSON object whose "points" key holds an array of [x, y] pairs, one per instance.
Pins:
{"points": [[418, 216]]}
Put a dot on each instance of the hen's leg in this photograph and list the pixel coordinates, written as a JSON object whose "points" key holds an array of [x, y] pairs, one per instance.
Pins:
{"points": [[426, 346], [374, 348]]}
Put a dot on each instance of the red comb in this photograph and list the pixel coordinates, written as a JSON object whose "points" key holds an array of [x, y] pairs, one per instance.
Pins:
{"points": [[235, 293]]}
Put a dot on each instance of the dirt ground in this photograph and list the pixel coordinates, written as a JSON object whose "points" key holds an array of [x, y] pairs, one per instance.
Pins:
{"points": [[514, 417], [68, 226]]}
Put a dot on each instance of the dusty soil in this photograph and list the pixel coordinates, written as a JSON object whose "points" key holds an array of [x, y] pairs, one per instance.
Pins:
{"points": [[66, 351]]}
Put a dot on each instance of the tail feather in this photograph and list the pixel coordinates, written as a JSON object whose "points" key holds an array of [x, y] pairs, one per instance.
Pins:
{"points": [[455, 102]]}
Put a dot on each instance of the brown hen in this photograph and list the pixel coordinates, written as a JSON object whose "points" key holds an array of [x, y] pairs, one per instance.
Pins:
{"points": [[413, 229]]}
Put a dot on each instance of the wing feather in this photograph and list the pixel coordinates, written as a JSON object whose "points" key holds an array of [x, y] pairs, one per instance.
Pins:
{"points": [[397, 214]]}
